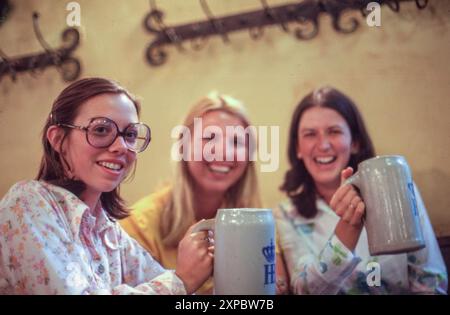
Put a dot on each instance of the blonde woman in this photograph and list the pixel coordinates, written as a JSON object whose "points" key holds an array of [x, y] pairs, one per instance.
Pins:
{"points": [[206, 179]]}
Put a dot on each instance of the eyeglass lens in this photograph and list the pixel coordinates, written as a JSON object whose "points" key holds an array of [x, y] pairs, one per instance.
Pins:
{"points": [[102, 132]]}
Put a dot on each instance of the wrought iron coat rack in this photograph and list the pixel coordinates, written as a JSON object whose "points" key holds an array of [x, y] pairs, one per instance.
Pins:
{"points": [[305, 14], [69, 66]]}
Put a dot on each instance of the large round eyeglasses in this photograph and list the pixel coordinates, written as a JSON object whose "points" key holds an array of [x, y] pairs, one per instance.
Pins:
{"points": [[101, 132]]}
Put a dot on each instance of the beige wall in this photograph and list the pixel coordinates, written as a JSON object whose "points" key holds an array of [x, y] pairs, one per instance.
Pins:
{"points": [[398, 74]]}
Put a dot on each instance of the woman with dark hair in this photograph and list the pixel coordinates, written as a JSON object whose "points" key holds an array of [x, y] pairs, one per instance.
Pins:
{"points": [[59, 233], [320, 225]]}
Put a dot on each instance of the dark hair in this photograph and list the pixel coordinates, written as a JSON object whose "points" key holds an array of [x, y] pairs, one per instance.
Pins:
{"points": [[298, 183], [64, 110]]}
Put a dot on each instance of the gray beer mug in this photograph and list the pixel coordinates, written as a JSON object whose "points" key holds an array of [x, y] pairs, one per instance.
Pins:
{"points": [[244, 251], [391, 219]]}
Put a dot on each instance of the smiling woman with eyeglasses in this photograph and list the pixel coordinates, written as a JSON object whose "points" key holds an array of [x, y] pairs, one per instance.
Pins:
{"points": [[101, 132], [59, 232]]}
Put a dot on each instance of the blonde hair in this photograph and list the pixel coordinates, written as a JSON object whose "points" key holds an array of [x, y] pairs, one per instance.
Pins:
{"points": [[179, 213]]}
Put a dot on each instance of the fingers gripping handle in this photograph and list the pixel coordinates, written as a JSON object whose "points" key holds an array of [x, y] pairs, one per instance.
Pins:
{"points": [[355, 181]]}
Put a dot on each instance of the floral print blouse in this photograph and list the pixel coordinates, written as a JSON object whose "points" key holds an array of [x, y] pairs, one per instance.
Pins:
{"points": [[52, 243], [319, 263]]}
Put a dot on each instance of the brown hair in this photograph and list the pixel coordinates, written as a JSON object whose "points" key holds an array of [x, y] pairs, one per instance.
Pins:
{"points": [[64, 110], [298, 183]]}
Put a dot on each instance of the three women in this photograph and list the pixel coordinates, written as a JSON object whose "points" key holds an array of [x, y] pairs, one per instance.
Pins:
{"points": [[60, 234]]}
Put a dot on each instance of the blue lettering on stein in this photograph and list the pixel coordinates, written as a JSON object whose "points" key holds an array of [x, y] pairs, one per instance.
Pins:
{"points": [[269, 269], [413, 198]]}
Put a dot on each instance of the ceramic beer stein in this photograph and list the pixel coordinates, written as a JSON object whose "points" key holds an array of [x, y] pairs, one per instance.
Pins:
{"points": [[391, 219], [244, 255]]}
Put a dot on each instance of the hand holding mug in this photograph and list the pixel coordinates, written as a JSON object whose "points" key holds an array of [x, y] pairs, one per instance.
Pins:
{"points": [[194, 259], [347, 203], [244, 251], [391, 217]]}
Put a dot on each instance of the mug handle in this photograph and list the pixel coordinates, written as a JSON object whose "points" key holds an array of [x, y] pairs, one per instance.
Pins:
{"points": [[204, 225], [353, 180]]}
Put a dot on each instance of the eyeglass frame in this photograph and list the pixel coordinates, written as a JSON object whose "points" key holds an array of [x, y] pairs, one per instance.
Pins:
{"points": [[118, 133]]}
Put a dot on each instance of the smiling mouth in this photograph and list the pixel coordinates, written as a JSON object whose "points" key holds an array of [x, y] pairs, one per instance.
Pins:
{"points": [[325, 160], [221, 169], [111, 166]]}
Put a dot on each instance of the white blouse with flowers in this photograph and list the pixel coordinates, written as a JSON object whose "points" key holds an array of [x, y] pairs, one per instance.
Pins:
{"points": [[318, 263], [51, 243]]}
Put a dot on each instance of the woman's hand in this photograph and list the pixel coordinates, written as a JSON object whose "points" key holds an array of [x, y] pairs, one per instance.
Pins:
{"points": [[282, 284], [194, 260], [347, 204]]}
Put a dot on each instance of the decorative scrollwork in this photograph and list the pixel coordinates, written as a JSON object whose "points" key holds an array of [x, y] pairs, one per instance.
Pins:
{"points": [[301, 33], [70, 69], [153, 20], [421, 4], [156, 56], [305, 15], [394, 5], [71, 37], [339, 26], [68, 66]]}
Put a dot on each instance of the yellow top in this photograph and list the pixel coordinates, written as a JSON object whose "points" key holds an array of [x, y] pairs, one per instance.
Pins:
{"points": [[143, 225]]}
